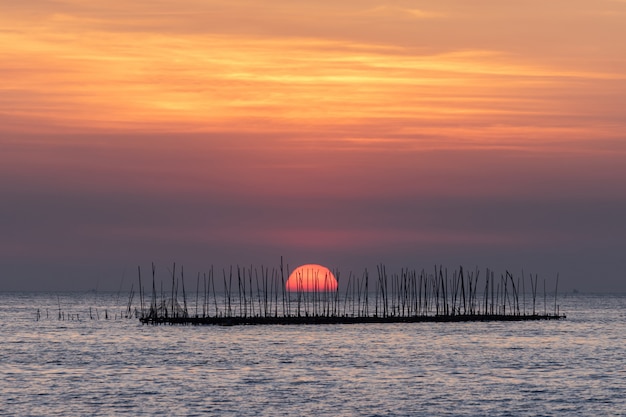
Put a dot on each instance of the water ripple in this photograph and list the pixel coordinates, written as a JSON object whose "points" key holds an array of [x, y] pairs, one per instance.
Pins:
{"points": [[118, 367]]}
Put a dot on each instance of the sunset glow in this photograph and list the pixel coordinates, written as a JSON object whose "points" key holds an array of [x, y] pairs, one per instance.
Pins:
{"points": [[311, 278], [351, 132], [152, 67]]}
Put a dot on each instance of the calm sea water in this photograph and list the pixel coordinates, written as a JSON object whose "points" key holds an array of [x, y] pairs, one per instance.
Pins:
{"points": [[98, 367]]}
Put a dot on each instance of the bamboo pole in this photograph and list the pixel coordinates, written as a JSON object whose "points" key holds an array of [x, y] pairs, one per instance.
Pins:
{"points": [[556, 288]]}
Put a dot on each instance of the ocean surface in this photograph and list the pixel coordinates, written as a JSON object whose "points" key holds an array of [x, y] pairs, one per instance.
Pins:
{"points": [[86, 364]]}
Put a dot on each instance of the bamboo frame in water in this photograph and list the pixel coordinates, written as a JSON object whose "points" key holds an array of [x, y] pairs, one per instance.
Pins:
{"points": [[404, 297]]}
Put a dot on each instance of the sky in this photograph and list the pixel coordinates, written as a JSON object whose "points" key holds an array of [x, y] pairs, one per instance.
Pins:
{"points": [[487, 134]]}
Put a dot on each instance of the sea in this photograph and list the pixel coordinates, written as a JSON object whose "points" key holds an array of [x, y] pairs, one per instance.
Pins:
{"points": [[78, 354]]}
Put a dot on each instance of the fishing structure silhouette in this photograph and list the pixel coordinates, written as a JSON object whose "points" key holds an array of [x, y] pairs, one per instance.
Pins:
{"points": [[258, 296]]}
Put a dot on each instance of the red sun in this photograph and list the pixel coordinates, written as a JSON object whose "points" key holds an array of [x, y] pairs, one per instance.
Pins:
{"points": [[311, 278]]}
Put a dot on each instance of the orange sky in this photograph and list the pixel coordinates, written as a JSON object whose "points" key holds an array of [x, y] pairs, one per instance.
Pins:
{"points": [[444, 71], [334, 120]]}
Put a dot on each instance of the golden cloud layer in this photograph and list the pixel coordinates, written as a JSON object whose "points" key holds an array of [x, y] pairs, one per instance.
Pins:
{"points": [[224, 66]]}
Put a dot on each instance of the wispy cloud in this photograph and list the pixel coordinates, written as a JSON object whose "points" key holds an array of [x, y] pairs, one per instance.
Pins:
{"points": [[395, 12], [129, 67]]}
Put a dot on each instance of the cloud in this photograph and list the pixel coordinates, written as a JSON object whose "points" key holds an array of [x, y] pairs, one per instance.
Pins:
{"points": [[387, 11], [121, 81]]}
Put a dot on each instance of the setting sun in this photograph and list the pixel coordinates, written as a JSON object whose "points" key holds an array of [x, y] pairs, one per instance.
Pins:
{"points": [[312, 278]]}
